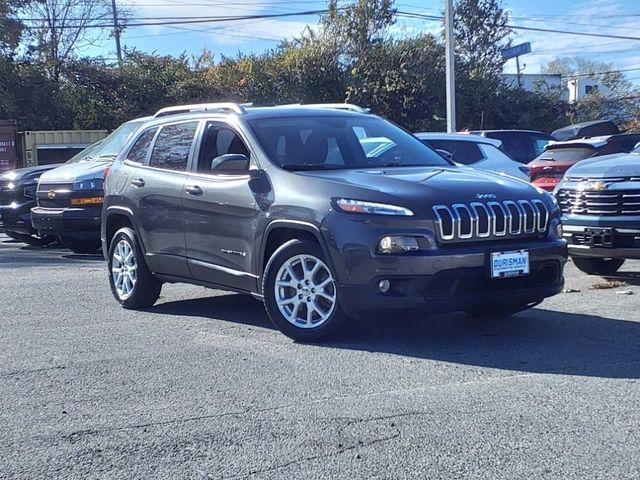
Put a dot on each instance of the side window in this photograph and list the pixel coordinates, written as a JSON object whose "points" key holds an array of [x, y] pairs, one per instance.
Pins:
{"points": [[219, 140], [172, 147], [140, 149], [539, 143]]}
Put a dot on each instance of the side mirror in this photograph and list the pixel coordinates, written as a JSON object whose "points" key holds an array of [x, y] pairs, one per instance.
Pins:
{"points": [[232, 163]]}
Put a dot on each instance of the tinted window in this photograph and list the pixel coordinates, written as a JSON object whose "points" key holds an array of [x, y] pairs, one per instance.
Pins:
{"points": [[515, 144], [341, 142], [566, 154], [539, 142], [140, 148], [172, 147], [461, 151], [219, 140]]}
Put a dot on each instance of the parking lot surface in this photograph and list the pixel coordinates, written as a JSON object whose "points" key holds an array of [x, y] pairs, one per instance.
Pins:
{"points": [[202, 386]]}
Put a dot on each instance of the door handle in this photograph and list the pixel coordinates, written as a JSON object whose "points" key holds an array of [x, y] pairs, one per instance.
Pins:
{"points": [[193, 190], [138, 182]]}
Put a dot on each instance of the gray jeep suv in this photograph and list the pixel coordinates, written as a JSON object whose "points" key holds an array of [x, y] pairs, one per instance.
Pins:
{"points": [[285, 204]]}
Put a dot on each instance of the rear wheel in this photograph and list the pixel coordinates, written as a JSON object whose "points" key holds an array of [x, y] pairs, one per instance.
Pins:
{"points": [[77, 245], [598, 266], [132, 284], [31, 239], [301, 294]]}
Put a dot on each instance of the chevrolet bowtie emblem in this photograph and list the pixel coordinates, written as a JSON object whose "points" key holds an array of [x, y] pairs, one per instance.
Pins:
{"points": [[51, 194], [599, 186]]}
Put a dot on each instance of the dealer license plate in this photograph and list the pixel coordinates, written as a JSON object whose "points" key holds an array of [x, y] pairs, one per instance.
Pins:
{"points": [[509, 264]]}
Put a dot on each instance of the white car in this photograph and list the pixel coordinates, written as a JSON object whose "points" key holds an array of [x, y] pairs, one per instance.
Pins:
{"points": [[475, 151]]}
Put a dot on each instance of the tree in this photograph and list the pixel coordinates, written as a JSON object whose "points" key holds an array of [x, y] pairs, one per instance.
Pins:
{"points": [[10, 24], [62, 27], [572, 67], [481, 33]]}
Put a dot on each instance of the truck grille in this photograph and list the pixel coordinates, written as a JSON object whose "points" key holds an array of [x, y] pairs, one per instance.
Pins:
{"points": [[54, 195], [599, 202], [491, 221]]}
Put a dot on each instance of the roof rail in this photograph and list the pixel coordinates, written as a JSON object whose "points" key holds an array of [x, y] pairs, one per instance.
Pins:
{"points": [[201, 107], [335, 106]]}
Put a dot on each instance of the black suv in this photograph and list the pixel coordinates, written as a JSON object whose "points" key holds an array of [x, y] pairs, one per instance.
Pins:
{"points": [[285, 204]]}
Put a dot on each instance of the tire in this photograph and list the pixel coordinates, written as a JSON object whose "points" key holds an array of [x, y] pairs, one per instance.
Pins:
{"points": [[493, 312], [31, 239], [77, 245], [598, 266], [303, 313], [132, 284]]}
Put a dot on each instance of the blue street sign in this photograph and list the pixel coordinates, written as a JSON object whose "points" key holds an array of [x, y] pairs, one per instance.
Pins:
{"points": [[516, 51]]}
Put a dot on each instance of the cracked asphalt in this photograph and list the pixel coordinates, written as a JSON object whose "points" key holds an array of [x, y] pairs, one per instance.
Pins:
{"points": [[201, 386]]}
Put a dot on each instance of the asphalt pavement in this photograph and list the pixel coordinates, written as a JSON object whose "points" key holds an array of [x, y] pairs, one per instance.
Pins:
{"points": [[201, 385]]}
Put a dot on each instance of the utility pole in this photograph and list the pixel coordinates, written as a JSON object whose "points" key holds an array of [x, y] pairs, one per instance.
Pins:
{"points": [[518, 70], [116, 32], [450, 66]]}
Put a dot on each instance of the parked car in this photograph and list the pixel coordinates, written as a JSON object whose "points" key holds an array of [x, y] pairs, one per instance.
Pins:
{"points": [[69, 198], [475, 151], [597, 128], [600, 203], [521, 145], [285, 204], [548, 169], [18, 197]]}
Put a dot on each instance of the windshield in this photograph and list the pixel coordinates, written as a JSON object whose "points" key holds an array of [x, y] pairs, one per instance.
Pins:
{"points": [[110, 146], [335, 142]]}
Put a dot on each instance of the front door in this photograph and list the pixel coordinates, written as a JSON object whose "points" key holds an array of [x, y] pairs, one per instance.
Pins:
{"points": [[221, 214], [156, 184]]}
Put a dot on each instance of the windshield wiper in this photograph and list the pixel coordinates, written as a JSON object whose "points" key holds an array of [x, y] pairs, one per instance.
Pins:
{"points": [[309, 166]]}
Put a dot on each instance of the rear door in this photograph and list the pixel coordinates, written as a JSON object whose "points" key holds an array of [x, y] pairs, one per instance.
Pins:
{"points": [[155, 182], [221, 213]]}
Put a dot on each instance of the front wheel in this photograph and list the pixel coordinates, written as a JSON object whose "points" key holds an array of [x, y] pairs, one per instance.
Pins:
{"points": [[132, 284], [301, 294], [598, 266], [77, 245], [31, 239]]}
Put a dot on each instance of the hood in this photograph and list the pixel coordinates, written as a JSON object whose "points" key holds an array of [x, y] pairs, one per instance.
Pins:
{"points": [[616, 165], [429, 185], [28, 173], [73, 172]]}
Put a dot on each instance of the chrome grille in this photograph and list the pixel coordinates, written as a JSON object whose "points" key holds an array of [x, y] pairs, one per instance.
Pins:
{"points": [[493, 220], [599, 202]]}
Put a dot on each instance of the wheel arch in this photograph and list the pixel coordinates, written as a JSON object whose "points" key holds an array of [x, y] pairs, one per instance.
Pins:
{"points": [[115, 219], [279, 232]]}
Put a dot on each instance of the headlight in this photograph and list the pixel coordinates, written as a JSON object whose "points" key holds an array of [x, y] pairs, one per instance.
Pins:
{"points": [[359, 206], [11, 186], [94, 184]]}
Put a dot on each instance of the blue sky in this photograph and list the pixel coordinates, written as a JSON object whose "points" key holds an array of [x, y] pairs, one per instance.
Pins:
{"points": [[592, 16]]}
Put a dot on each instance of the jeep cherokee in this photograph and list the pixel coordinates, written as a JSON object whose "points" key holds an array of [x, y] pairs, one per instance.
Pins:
{"points": [[285, 204]]}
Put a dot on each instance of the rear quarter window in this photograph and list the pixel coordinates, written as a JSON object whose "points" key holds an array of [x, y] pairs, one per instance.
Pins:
{"points": [[140, 149]]}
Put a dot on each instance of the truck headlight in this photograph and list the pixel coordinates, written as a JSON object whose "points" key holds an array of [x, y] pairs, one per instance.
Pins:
{"points": [[360, 206], [93, 184], [405, 243]]}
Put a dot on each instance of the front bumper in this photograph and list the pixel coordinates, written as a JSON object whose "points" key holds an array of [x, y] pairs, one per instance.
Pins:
{"points": [[447, 278], [17, 218], [82, 223], [603, 241]]}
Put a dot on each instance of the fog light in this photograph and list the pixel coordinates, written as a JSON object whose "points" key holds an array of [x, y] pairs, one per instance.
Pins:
{"points": [[397, 244], [384, 286]]}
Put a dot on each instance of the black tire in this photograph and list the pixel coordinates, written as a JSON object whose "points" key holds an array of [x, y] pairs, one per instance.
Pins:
{"points": [[146, 288], [77, 245], [496, 312], [31, 239], [335, 316], [598, 266]]}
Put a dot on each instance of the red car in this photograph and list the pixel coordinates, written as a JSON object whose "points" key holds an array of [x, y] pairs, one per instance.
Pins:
{"points": [[549, 167]]}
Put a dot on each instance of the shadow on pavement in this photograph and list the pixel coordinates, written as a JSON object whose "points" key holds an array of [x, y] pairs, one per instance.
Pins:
{"points": [[536, 341], [631, 278]]}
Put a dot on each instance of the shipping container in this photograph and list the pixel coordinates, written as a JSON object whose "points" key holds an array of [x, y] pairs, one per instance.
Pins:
{"points": [[46, 147], [8, 146]]}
